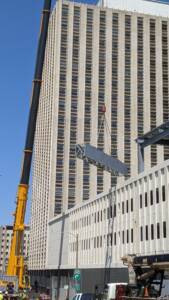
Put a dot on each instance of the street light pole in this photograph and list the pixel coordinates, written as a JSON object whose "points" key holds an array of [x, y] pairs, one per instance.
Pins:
{"points": [[77, 240]]}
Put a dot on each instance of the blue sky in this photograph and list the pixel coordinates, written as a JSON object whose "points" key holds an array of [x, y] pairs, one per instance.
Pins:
{"points": [[19, 29]]}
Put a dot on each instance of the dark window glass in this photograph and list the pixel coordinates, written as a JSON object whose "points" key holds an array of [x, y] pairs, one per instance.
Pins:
{"points": [[158, 230], [111, 213], [141, 201], [146, 199], [127, 236], [114, 210], [94, 242], [131, 235], [127, 206], [131, 204], [146, 232], [141, 233], [164, 230], [151, 197], [123, 237], [108, 213], [163, 192], [123, 207], [100, 241], [157, 195], [115, 238], [101, 215], [97, 241], [152, 231]]}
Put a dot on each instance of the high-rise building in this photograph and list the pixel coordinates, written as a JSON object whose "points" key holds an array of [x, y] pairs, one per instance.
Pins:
{"points": [[5, 243], [96, 57]]}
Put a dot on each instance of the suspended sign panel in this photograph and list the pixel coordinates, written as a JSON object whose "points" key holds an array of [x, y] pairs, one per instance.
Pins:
{"points": [[100, 159]]}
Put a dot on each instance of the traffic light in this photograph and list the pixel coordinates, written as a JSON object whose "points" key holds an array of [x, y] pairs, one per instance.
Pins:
{"points": [[77, 276]]}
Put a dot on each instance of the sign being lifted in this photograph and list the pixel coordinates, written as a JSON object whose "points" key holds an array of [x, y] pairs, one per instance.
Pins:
{"points": [[100, 159]]}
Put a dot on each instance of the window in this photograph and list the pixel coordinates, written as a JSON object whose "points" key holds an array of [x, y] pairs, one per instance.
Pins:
{"points": [[111, 213], [131, 235], [141, 233], [114, 210], [100, 241], [127, 236], [123, 237], [146, 232], [141, 201], [97, 241], [108, 213], [146, 199], [152, 231], [164, 230], [163, 192], [123, 207], [115, 238], [127, 206], [131, 204], [158, 230], [151, 197], [94, 242], [157, 195]]}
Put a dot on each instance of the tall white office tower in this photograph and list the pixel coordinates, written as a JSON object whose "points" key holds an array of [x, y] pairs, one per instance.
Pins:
{"points": [[95, 57]]}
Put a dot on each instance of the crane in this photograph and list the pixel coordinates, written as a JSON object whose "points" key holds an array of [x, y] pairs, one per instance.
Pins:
{"points": [[16, 261]]}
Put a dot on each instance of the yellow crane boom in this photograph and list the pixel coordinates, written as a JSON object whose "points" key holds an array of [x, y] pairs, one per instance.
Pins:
{"points": [[16, 260]]}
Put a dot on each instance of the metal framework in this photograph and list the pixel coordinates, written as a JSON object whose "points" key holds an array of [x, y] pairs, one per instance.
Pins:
{"points": [[158, 136], [100, 159]]}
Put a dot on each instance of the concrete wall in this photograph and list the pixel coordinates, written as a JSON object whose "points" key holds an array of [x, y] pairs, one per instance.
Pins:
{"points": [[58, 238]]}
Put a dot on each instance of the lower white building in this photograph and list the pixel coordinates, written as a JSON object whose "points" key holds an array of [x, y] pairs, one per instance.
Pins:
{"points": [[132, 218]]}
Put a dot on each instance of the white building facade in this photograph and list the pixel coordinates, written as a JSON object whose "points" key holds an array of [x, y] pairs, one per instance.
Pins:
{"points": [[149, 7], [95, 57], [131, 219]]}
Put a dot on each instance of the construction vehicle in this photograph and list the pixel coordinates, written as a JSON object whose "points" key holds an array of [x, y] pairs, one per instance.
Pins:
{"points": [[16, 266], [146, 276]]}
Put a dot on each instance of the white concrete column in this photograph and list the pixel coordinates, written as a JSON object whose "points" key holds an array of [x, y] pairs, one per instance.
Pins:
{"points": [[159, 87], [120, 100], [108, 89], [68, 108], [146, 107], [55, 101], [94, 97], [81, 103], [133, 117]]}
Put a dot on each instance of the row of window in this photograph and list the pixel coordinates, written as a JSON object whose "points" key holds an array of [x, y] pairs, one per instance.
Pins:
{"points": [[99, 216], [126, 207], [155, 231], [152, 197], [100, 241]]}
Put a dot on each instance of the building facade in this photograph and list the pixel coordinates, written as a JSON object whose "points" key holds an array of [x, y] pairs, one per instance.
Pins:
{"points": [[5, 244], [149, 7], [96, 57], [131, 219]]}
